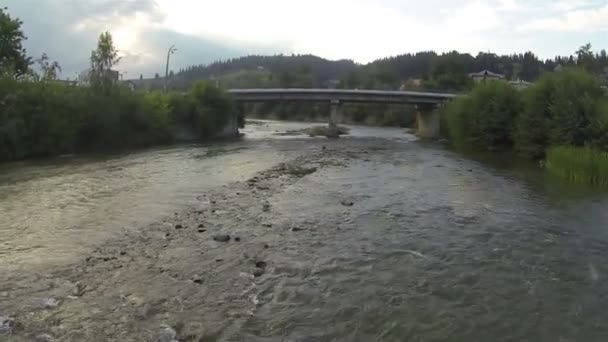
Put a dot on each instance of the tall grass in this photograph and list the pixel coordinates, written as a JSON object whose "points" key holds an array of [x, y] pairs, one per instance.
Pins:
{"points": [[578, 164]]}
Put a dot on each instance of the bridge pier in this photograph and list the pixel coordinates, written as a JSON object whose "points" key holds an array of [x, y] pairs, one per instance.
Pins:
{"points": [[428, 119], [335, 116]]}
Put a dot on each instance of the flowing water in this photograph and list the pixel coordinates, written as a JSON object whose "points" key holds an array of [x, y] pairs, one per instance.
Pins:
{"points": [[435, 246]]}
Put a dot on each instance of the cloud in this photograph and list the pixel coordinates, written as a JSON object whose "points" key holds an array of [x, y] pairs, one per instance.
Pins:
{"points": [[574, 17]]}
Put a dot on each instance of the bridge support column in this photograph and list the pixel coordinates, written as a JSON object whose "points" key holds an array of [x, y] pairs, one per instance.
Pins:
{"points": [[428, 119], [335, 116]]}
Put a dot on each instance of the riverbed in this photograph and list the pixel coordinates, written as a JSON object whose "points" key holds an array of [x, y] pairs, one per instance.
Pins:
{"points": [[376, 236]]}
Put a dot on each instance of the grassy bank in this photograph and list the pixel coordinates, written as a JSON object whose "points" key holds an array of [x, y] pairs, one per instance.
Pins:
{"points": [[579, 165], [41, 119]]}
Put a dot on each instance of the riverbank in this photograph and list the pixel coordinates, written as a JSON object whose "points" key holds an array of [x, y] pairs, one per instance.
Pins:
{"points": [[358, 239]]}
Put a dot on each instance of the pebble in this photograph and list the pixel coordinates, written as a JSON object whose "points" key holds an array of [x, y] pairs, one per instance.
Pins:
{"points": [[50, 303], [347, 203], [266, 207], [202, 230], [79, 289], [261, 264], [201, 225], [266, 246], [237, 238], [197, 279], [179, 226], [7, 324], [296, 229], [267, 225], [167, 334], [221, 237], [258, 272], [45, 338]]}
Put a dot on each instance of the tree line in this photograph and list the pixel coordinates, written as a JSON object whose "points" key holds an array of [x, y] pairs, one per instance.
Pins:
{"points": [[43, 116], [446, 71]]}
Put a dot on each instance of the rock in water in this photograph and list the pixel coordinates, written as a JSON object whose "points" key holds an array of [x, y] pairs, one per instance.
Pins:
{"points": [[261, 264], [221, 237], [258, 272], [79, 289], [347, 203], [44, 338], [7, 324], [50, 303], [167, 334]]}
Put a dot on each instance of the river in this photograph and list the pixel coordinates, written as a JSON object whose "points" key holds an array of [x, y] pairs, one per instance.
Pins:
{"points": [[383, 238]]}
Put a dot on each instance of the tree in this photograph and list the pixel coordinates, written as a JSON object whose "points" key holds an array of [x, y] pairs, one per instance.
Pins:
{"points": [[585, 58], [102, 61], [448, 73], [13, 59], [49, 70]]}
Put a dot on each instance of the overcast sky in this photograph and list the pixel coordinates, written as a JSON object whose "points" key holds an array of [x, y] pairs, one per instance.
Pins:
{"points": [[362, 30]]}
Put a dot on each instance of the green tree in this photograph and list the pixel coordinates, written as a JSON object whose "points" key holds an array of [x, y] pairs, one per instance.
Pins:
{"points": [[49, 71], [13, 59], [484, 119], [102, 60], [585, 58], [562, 108], [448, 73]]}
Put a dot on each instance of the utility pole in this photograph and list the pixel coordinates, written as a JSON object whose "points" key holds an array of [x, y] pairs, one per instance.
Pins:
{"points": [[171, 51]]}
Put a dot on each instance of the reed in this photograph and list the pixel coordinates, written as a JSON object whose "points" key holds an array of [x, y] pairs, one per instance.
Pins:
{"points": [[578, 164]]}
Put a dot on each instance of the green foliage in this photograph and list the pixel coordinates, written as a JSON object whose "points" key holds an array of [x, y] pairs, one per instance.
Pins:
{"points": [[484, 119], [50, 118], [13, 60], [562, 108], [448, 73], [212, 108], [205, 107], [102, 77], [578, 164]]}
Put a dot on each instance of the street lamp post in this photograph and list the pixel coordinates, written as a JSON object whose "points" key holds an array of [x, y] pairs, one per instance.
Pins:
{"points": [[171, 51]]}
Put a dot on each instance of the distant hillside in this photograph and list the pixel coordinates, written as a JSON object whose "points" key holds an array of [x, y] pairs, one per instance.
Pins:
{"points": [[320, 71], [427, 70]]}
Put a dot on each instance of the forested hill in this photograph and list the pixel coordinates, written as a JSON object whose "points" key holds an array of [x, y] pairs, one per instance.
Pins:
{"points": [[321, 70], [427, 70]]}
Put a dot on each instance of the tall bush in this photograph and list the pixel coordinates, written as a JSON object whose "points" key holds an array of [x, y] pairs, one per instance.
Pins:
{"points": [[562, 108], [485, 118]]}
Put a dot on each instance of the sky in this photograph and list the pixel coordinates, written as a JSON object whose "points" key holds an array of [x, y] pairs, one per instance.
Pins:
{"points": [[204, 31]]}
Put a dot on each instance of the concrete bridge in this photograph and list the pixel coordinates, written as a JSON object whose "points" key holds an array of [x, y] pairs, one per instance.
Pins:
{"points": [[426, 103]]}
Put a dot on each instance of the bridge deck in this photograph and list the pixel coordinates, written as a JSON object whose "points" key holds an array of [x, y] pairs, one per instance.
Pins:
{"points": [[341, 95]]}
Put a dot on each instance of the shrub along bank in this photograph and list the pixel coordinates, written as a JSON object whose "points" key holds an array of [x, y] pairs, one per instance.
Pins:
{"points": [[563, 118], [49, 118]]}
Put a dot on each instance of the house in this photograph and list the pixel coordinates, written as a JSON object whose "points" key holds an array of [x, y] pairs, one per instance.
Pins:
{"points": [[486, 75], [412, 83], [520, 84]]}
